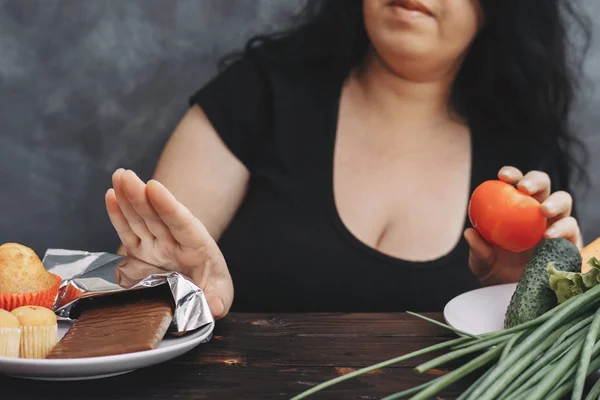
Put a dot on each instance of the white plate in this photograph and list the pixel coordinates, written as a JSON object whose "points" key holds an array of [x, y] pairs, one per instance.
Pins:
{"points": [[481, 310], [100, 367]]}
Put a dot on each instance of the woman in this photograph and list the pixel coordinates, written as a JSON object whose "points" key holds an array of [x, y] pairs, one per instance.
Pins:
{"points": [[329, 167]]}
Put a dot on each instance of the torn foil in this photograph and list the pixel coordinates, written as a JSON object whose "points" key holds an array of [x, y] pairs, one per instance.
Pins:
{"points": [[85, 275]]}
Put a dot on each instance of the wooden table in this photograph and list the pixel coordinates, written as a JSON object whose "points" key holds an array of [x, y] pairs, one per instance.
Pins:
{"points": [[269, 356]]}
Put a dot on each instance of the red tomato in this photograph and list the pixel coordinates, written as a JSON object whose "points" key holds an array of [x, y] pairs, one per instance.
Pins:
{"points": [[506, 217]]}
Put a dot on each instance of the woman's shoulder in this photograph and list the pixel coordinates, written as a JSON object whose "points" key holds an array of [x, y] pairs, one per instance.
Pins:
{"points": [[250, 93], [255, 86], [256, 72]]}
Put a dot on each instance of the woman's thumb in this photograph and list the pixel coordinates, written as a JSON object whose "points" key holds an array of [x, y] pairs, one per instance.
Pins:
{"points": [[219, 295], [481, 256], [217, 307]]}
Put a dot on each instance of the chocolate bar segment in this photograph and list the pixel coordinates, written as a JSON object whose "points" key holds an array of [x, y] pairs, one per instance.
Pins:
{"points": [[116, 329]]}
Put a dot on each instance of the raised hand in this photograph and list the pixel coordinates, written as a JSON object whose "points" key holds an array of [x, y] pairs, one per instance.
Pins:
{"points": [[160, 234], [492, 265]]}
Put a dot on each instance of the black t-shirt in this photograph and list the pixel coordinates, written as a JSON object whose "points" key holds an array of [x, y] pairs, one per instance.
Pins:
{"points": [[287, 248]]}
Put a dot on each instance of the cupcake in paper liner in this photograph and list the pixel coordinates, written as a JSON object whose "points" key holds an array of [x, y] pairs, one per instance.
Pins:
{"points": [[39, 331], [24, 280], [10, 335]]}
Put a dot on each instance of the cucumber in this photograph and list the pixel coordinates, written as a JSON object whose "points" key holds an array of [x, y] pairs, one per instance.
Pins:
{"points": [[533, 295]]}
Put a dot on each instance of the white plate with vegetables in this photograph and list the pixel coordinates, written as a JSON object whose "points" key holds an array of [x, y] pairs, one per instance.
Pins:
{"points": [[494, 308], [535, 340], [481, 310]]}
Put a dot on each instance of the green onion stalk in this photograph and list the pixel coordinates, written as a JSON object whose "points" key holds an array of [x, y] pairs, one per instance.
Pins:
{"points": [[544, 358]]}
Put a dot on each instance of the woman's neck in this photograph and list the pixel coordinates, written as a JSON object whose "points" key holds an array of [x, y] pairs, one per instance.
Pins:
{"points": [[414, 102]]}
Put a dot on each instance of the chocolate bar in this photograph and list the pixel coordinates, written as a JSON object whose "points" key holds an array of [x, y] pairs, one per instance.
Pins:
{"points": [[111, 329]]}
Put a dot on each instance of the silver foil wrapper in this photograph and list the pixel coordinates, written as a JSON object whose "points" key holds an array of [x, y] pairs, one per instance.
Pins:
{"points": [[86, 275]]}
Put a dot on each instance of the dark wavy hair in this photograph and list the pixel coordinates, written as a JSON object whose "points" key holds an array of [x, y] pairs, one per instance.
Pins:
{"points": [[518, 81]]}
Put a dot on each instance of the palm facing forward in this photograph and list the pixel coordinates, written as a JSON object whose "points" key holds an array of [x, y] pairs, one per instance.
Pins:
{"points": [[160, 234]]}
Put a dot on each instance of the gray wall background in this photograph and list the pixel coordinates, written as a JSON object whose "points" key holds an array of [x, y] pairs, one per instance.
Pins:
{"points": [[87, 86]]}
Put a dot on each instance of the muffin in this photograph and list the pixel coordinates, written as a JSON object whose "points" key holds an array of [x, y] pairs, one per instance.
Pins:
{"points": [[24, 280], [39, 331], [10, 334]]}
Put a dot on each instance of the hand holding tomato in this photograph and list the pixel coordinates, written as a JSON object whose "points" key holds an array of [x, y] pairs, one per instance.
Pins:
{"points": [[511, 220]]}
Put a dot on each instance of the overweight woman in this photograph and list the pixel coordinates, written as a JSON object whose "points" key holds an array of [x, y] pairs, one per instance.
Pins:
{"points": [[329, 167]]}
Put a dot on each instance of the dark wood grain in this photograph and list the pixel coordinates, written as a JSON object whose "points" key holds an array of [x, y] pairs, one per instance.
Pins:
{"points": [[263, 356]]}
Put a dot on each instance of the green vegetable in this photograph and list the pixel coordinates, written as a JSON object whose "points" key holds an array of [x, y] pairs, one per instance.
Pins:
{"points": [[430, 349], [554, 374], [546, 354], [471, 388], [574, 330], [541, 367], [510, 345], [458, 373], [533, 295], [436, 362], [564, 388], [517, 361], [594, 393], [408, 392], [547, 346], [568, 284], [586, 355]]}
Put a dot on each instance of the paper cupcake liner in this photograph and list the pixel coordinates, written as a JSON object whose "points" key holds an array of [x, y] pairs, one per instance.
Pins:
{"points": [[45, 298], [72, 293], [38, 341], [10, 339]]}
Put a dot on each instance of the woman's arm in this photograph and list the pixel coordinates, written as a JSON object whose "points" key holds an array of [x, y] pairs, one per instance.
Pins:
{"points": [[174, 224], [202, 173]]}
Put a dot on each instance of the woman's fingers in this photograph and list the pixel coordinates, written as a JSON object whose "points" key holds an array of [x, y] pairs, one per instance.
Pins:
{"points": [[135, 190], [557, 206], [482, 253], [136, 222], [510, 175], [536, 184], [184, 226], [117, 218], [141, 210], [567, 228], [132, 270]]}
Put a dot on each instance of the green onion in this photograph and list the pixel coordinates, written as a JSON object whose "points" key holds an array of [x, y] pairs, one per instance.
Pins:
{"points": [[586, 354], [562, 367], [594, 393], [519, 386], [565, 387], [512, 370], [539, 369], [408, 392], [459, 373], [362, 371], [483, 339], [515, 329], [583, 323], [510, 344], [436, 362], [492, 386], [566, 379], [540, 359], [527, 386], [438, 323], [471, 388]]}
